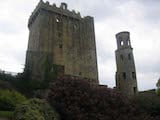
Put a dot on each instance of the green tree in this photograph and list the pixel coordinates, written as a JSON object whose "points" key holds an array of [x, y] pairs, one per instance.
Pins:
{"points": [[158, 87], [35, 109], [9, 99]]}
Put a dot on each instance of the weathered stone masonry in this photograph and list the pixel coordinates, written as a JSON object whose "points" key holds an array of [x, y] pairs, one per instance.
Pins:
{"points": [[126, 80], [64, 38]]}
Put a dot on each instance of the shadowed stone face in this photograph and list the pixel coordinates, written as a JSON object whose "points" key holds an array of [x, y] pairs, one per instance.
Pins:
{"points": [[126, 80], [64, 38]]}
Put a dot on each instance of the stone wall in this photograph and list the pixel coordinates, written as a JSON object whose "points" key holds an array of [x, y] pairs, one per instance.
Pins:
{"points": [[66, 37]]}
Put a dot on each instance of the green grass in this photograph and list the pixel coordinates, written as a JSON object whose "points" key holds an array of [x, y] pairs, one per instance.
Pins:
{"points": [[8, 114]]}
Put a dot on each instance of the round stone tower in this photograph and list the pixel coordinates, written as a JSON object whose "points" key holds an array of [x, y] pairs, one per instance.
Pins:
{"points": [[126, 80]]}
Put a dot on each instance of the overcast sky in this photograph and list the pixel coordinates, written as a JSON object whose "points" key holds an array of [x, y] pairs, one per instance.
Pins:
{"points": [[140, 17]]}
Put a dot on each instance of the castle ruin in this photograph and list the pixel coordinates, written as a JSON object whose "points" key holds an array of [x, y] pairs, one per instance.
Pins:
{"points": [[126, 80], [62, 38]]}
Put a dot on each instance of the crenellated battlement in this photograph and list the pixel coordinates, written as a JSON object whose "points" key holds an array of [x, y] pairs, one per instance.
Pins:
{"points": [[61, 10]]}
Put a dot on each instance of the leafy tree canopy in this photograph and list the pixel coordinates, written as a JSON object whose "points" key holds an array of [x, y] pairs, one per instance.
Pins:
{"points": [[9, 99], [77, 99], [35, 109]]}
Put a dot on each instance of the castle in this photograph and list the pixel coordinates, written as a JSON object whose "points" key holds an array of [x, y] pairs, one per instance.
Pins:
{"points": [[62, 38]]}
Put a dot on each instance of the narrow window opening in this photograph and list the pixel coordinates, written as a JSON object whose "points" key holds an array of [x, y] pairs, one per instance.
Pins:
{"points": [[135, 90], [129, 56], [128, 42], [133, 75], [59, 23], [57, 20], [124, 75], [75, 26], [121, 56], [121, 43]]}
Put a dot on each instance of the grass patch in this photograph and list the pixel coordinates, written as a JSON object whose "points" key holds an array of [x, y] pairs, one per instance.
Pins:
{"points": [[8, 114]]}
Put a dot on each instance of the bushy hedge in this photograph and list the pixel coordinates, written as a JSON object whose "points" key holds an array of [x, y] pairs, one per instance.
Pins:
{"points": [[8, 114], [5, 85], [35, 109], [149, 102], [9, 99], [79, 100]]}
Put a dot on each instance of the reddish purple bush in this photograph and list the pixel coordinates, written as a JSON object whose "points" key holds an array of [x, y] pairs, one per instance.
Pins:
{"points": [[79, 100]]}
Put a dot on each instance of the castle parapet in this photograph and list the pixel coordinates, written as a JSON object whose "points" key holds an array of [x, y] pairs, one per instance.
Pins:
{"points": [[62, 10]]}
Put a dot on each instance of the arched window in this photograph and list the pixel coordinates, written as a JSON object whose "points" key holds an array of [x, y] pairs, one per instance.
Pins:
{"points": [[121, 43], [59, 23], [57, 19], [75, 26]]}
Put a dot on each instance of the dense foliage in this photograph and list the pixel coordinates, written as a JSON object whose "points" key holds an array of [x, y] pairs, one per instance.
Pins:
{"points": [[79, 100], [7, 114], [9, 99], [5, 85], [22, 83], [6, 76], [149, 102], [158, 87], [75, 99], [35, 109], [25, 84]]}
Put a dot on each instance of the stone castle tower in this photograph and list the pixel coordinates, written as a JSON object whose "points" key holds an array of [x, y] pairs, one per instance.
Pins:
{"points": [[62, 38], [126, 80]]}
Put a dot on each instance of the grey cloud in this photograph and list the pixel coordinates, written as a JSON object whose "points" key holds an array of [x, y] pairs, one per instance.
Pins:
{"points": [[148, 67], [7, 27], [13, 59], [149, 2], [151, 11]]}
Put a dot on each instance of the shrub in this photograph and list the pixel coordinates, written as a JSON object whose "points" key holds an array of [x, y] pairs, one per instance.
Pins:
{"points": [[9, 99], [158, 87], [149, 102], [7, 114], [35, 109], [158, 91], [5, 85], [79, 100]]}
